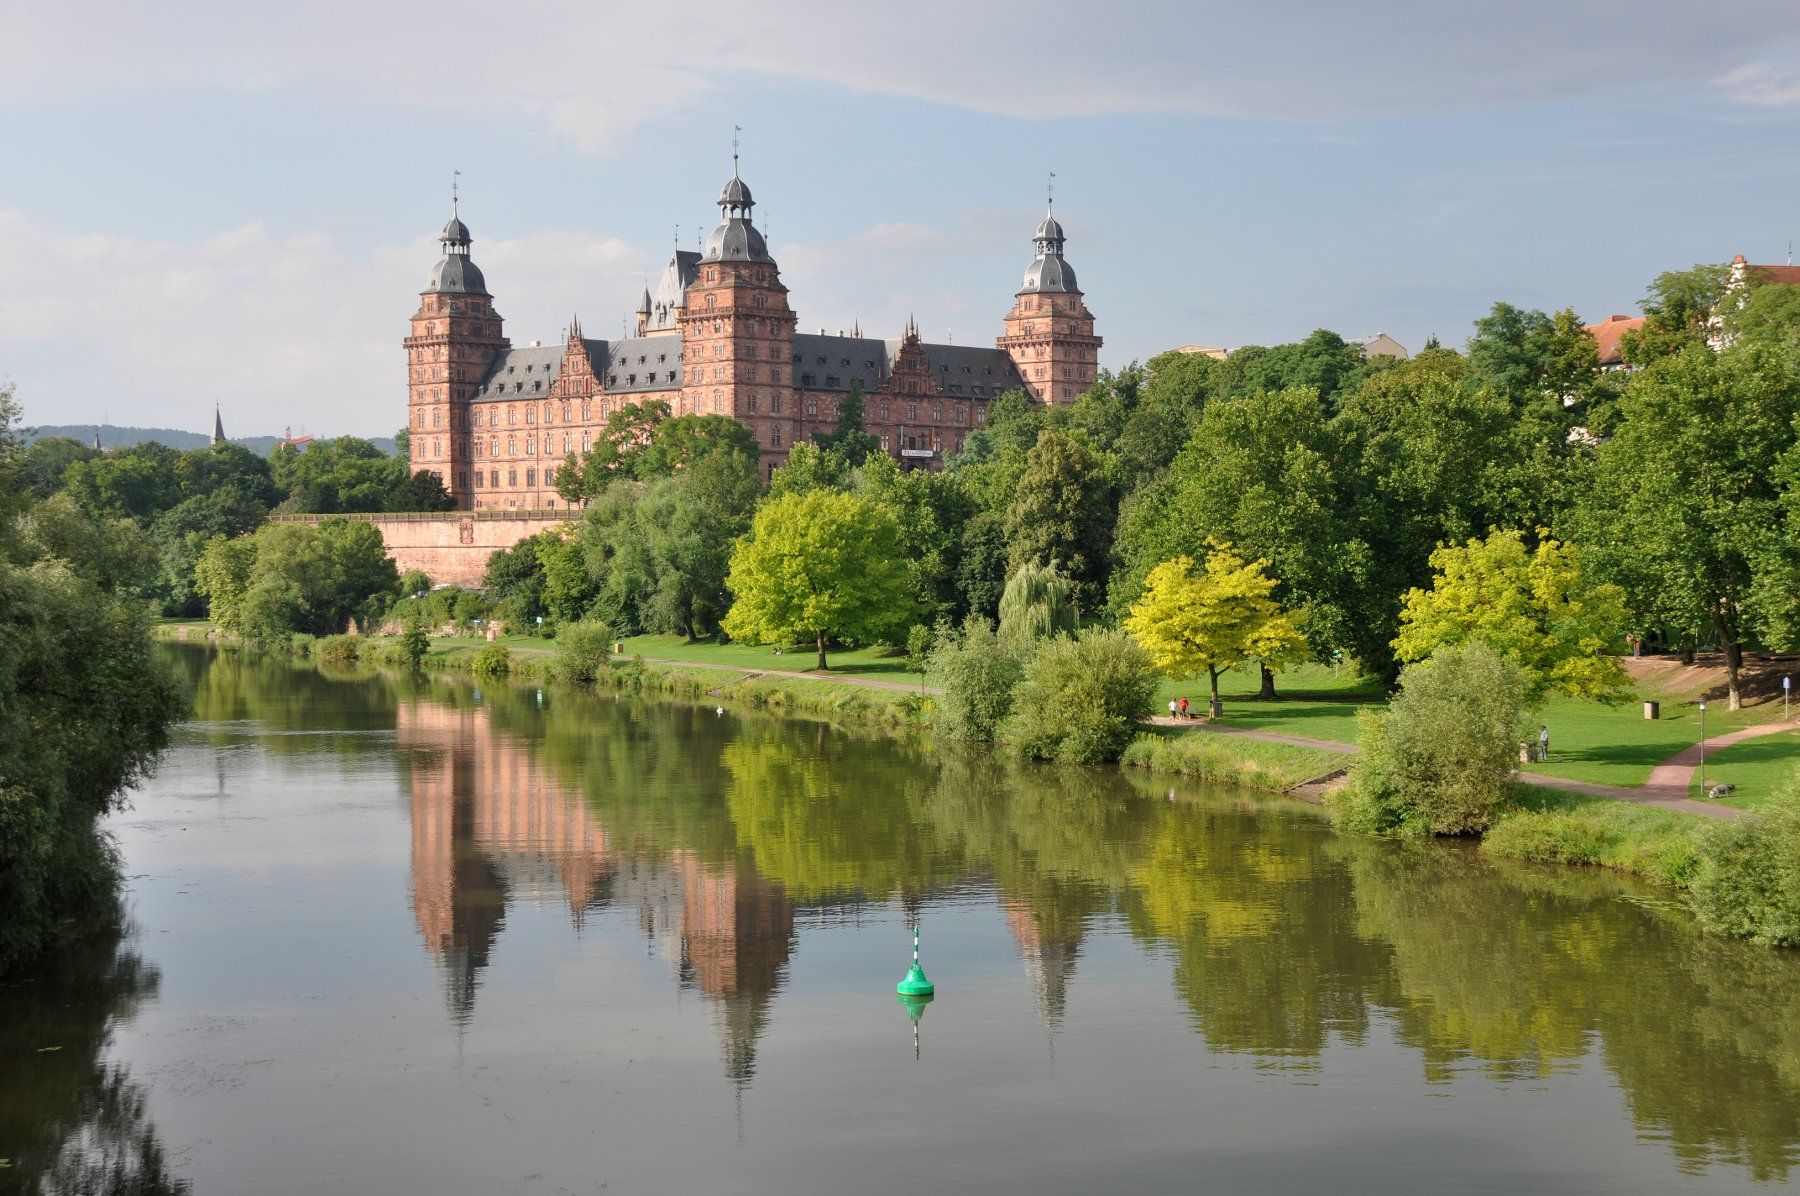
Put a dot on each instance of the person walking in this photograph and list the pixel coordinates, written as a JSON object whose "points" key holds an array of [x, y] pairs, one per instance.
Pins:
{"points": [[1184, 708], [1543, 744], [1173, 707]]}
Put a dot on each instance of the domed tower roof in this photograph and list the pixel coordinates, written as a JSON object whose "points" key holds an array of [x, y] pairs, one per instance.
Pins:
{"points": [[456, 274], [1049, 272], [736, 239]]}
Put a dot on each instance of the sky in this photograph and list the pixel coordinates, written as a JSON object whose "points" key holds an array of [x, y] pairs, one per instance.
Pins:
{"points": [[207, 203]]}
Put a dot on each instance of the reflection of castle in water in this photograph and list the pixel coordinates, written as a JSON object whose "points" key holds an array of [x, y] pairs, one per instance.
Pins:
{"points": [[490, 825]]}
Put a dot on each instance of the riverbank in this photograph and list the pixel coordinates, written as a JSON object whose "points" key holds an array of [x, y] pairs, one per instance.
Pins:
{"points": [[1614, 830]]}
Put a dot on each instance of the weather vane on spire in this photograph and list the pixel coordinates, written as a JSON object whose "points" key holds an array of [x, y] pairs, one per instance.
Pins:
{"points": [[735, 131], [455, 178], [1050, 191]]}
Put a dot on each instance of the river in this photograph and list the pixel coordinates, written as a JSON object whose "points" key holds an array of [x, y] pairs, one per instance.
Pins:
{"points": [[427, 935]]}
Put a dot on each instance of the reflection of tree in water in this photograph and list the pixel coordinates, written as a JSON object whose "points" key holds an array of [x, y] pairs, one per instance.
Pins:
{"points": [[1284, 935], [1257, 912], [1519, 969], [71, 1121]]}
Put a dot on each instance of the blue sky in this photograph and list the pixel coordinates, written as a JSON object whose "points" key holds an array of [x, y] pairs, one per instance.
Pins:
{"points": [[209, 202]]}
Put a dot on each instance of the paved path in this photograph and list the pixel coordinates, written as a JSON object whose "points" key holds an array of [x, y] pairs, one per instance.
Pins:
{"points": [[1665, 789]]}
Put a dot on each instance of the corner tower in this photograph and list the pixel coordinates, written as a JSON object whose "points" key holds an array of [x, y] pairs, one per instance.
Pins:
{"points": [[455, 338], [1050, 332], [737, 331]]}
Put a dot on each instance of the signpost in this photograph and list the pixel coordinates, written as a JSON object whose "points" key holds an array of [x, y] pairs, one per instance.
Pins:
{"points": [[1787, 684], [1702, 747]]}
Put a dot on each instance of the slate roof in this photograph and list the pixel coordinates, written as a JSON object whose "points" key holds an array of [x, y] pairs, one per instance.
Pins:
{"points": [[524, 373], [964, 371], [638, 364], [456, 275]]}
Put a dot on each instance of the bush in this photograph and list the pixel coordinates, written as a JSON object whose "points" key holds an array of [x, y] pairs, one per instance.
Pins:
{"points": [[1439, 760], [977, 675], [492, 660], [410, 648], [1600, 833], [337, 649], [1082, 698], [1748, 884], [583, 651]]}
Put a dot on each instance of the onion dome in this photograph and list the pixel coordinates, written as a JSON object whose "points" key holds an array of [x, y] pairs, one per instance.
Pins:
{"points": [[456, 274], [1049, 272], [736, 239]]}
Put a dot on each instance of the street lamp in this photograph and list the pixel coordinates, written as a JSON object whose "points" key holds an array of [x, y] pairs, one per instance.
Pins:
{"points": [[1702, 747]]}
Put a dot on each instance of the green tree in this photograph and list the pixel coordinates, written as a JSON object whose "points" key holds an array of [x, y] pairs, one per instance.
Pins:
{"points": [[1214, 620], [583, 651], [1039, 602], [977, 672], [618, 448], [1258, 474], [306, 577], [1081, 698], [1439, 758], [349, 475], [1063, 509], [847, 437], [689, 522], [413, 643], [1534, 607], [1687, 495], [810, 467], [1679, 310], [45, 461], [818, 566]]}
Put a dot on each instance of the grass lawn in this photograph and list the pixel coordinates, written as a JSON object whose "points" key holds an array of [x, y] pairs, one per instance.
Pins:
{"points": [[1617, 745], [1757, 767], [1314, 700], [873, 663]]}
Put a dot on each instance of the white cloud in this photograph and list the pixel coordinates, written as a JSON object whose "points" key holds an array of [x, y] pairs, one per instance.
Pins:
{"points": [[1762, 85], [153, 332], [593, 73]]}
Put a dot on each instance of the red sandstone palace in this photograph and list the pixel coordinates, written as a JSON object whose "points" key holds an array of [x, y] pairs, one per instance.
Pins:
{"points": [[718, 337]]}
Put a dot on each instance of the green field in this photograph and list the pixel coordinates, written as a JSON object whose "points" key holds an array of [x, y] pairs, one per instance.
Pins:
{"points": [[1758, 767]]}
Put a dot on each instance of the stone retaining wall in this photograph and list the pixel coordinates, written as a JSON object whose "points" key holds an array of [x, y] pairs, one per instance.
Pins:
{"points": [[451, 547]]}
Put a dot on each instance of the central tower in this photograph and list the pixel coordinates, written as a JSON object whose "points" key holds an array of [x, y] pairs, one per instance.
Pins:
{"points": [[1050, 331], [737, 330]]}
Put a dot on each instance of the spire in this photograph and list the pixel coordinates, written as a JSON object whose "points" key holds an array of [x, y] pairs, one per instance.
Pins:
{"points": [[96, 440], [218, 436], [456, 273], [644, 303]]}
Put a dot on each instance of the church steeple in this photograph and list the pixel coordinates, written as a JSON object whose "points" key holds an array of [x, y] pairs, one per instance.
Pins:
{"points": [[218, 436]]}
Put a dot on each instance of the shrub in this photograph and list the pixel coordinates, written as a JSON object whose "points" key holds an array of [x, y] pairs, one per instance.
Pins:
{"points": [[1230, 759], [1082, 698], [336, 649], [583, 651], [410, 648], [1439, 760], [492, 660], [1748, 884], [1601, 833], [977, 674]]}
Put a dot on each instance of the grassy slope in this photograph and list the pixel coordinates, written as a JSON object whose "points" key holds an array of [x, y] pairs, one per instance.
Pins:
{"points": [[1553, 827]]}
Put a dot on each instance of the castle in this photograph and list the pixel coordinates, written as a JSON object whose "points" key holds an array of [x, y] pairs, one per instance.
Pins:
{"points": [[718, 336]]}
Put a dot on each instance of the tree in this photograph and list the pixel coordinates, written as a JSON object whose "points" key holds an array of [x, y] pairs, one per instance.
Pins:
{"points": [[298, 577], [810, 467], [1679, 313], [1534, 607], [617, 448], [678, 443], [414, 642], [1081, 698], [930, 509], [1063, 509], [1686, 511], [45, 460], [1439, 759], [1259, 473], [349, 475], [1039, 602], [819, 566], [688, 522], [848, 437], [976, 671], [1212, 621]]}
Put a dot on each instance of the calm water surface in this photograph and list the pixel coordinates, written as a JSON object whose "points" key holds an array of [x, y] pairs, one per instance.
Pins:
{"points": [[419, 936]]}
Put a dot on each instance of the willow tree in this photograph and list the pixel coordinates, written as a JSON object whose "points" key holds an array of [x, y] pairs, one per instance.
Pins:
{"points": [[1038, 602]]}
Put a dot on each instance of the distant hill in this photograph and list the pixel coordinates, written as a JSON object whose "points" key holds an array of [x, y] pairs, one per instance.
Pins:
{"points": [[175, 438]]}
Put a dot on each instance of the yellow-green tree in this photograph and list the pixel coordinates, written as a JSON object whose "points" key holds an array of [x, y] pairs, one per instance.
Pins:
{"points": [[818, 566], [1212, 620], [1535, 608]]}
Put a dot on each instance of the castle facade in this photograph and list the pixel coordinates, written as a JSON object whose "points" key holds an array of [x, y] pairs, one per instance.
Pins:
{"points": [[718, 337]]}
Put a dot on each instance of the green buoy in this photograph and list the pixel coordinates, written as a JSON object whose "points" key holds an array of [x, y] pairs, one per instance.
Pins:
{"points": [[915, 984]]}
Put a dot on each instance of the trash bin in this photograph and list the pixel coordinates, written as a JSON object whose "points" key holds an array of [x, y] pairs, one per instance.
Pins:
{"points": [[1653, 710]]}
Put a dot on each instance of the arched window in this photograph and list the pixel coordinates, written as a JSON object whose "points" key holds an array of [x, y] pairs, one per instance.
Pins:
{"points": [[568, 443], [565, 411], [530, 445], [494, 447], [512, 446], [587, 409]]}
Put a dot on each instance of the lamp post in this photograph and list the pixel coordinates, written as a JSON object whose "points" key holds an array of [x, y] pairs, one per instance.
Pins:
{"points": [[1702, 747]]}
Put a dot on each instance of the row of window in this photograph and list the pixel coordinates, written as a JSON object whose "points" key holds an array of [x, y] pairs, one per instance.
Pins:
{"points": [[531, 448]]}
